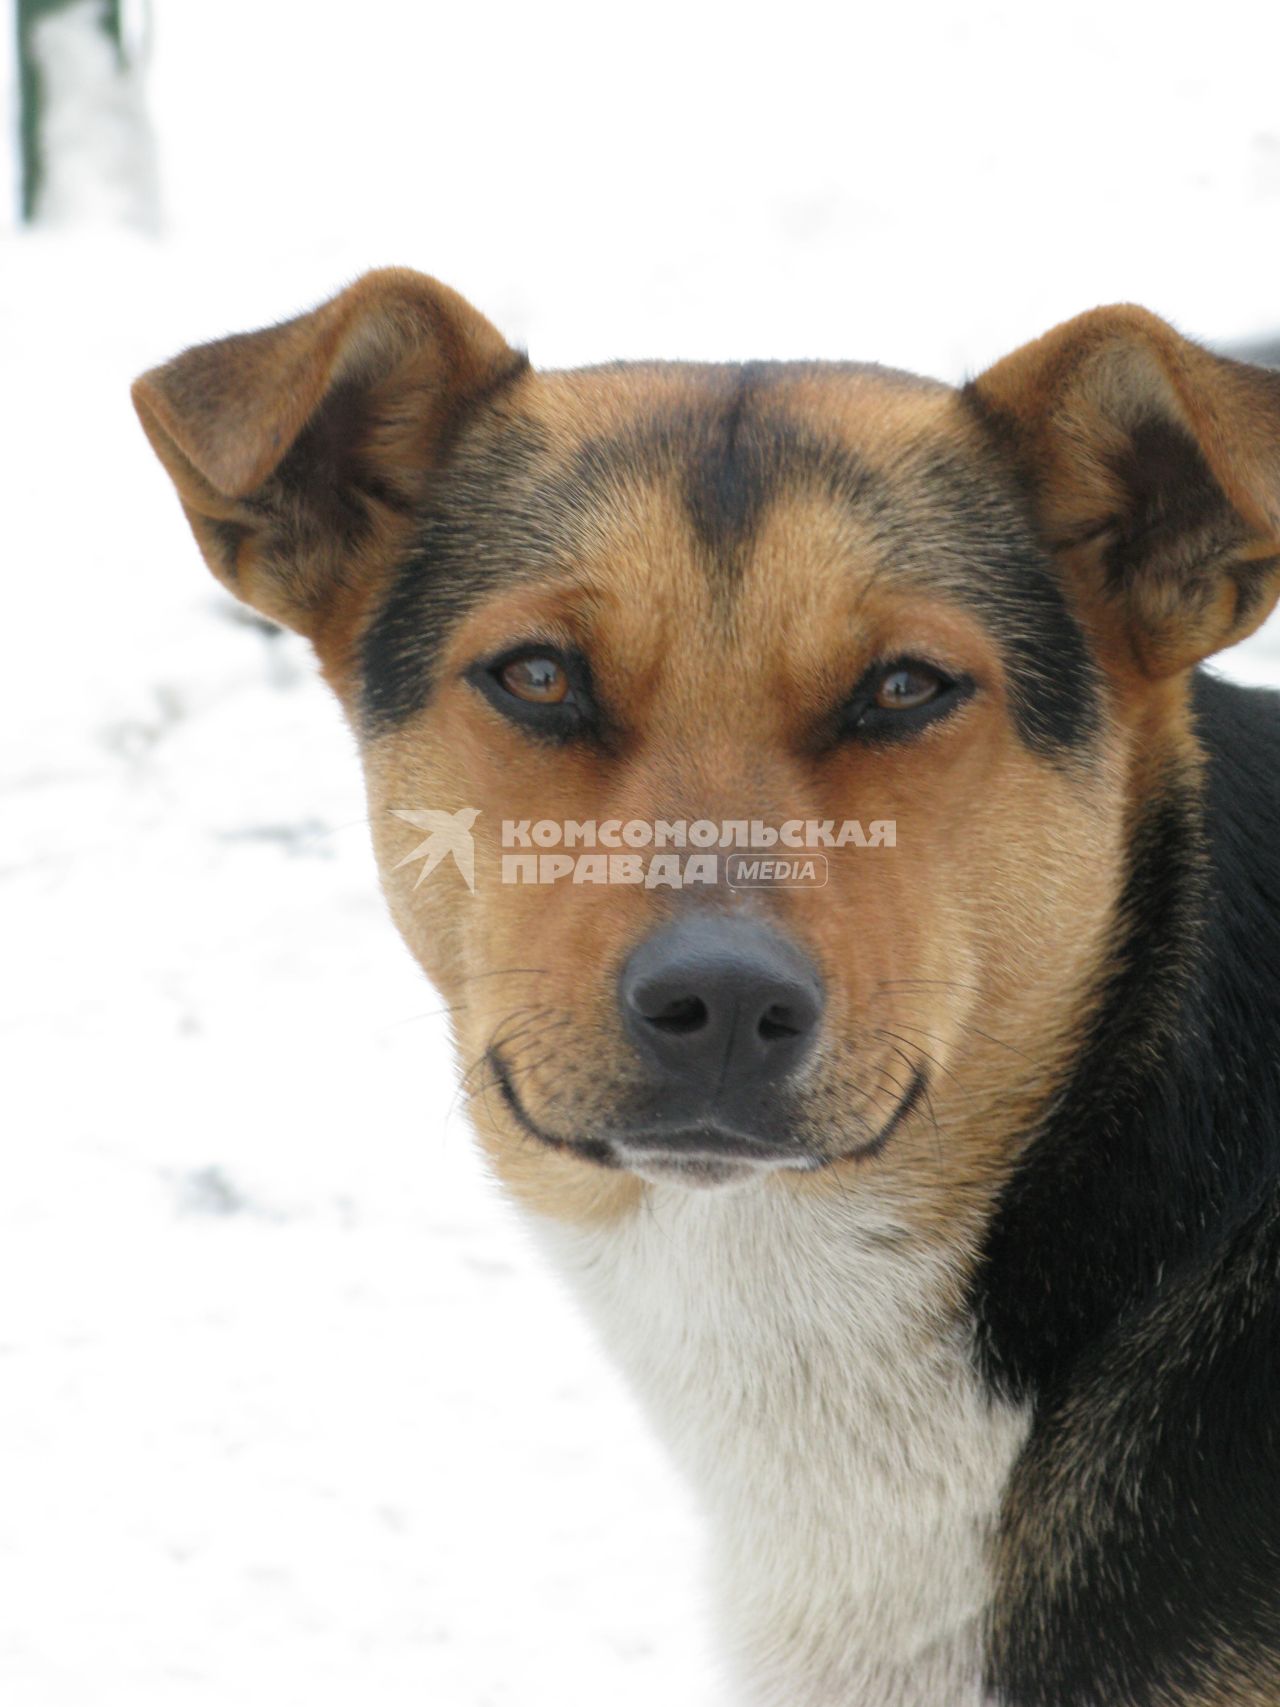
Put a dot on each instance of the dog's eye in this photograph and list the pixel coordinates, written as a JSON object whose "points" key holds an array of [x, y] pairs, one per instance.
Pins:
{"points": [[539, 679], [894, 700], [906, 686], [546, 691]]}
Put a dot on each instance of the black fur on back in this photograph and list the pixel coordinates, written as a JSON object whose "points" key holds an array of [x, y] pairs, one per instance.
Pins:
{"points": [[1130, 1285]]}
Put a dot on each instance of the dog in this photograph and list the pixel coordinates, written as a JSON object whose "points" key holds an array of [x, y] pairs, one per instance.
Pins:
{"points": [[929, 1195]]}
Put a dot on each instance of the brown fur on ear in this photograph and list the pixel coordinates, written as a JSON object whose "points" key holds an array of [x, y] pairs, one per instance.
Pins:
{"points": [[1155, 472], [300, 452]]}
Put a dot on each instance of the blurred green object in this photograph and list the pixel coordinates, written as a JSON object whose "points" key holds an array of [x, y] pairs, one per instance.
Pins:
{"points": [[30, 93]]}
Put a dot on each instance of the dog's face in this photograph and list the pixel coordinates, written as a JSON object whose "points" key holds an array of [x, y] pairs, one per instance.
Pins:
{"points": [[637, 628], [709, 596]]}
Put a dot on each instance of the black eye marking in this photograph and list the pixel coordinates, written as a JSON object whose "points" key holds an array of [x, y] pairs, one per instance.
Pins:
{"points": [[897, 698], [543, 688]]}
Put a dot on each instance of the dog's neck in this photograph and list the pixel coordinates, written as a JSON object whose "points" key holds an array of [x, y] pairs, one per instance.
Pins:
{"points": [[801, 1354]]}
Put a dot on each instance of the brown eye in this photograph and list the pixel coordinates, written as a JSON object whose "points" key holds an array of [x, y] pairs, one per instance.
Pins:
{"points": [[907, 686], [537, 679], [545, 691]]}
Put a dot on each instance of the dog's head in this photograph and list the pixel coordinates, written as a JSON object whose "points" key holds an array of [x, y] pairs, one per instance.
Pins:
{"points": [[752, 752]]}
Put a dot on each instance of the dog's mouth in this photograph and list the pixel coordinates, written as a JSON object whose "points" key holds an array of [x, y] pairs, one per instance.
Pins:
{"points": [[706, 1153]]}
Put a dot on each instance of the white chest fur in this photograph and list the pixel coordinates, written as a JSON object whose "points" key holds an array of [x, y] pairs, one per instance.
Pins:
{"points": [[795, 1354]]}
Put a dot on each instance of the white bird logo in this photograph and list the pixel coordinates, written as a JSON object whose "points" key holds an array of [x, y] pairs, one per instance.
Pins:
{"points": [[450, 833]]}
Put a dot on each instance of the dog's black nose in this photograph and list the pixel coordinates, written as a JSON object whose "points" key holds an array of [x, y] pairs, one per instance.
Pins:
{"points": [[719, 1007]]}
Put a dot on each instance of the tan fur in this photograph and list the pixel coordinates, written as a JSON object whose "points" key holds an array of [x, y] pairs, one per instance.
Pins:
{"points": [[945, 925], [393, 358], [945, 928], [1072, 398], [975, 947]]}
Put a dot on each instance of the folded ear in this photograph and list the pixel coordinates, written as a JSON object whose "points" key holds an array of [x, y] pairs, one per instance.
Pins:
{"points": [[301, 452], [1154, 469]]}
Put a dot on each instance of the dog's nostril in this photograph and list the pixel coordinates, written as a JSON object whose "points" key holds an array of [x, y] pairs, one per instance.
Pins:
{"points": [[685, 1014], [779, 1021]]}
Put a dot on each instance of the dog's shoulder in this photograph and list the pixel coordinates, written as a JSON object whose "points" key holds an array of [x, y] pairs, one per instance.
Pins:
{"points": [[1138, 1537], [1138, 1558]]}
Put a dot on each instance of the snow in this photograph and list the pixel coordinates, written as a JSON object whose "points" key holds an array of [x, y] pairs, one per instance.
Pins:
{"points": [[289, 1412]]}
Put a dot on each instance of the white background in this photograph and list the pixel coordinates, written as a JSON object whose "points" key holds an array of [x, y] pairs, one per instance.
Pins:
{"points": [[288, 1413]]}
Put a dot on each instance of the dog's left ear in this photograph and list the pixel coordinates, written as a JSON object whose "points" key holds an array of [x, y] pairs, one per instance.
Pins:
{"points": [[301, 452], [1154, 471]]}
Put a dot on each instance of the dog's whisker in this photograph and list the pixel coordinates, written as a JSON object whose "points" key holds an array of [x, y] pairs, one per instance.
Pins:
{"points": [[506, 972], [1000, 1042], [513, 1073], [489, 1044], [525, 1037], [451, 1008], [913, 1068], [967, 1025], [515, 1061], [536, 1019], [942, 1067], [887, 988], [461, 1089], [887, 984], [485, 1058]]}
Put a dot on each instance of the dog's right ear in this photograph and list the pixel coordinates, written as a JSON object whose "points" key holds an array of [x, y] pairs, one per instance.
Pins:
{"points": [[1153, 468], [301, 452]]}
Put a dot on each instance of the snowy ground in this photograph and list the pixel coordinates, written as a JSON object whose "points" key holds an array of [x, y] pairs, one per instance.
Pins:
{"points": [[288, 1412]]}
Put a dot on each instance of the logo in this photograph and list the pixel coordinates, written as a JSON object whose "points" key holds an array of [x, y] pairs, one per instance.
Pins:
{"points": [[450, 835], [664, 853], [797, 871]]}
